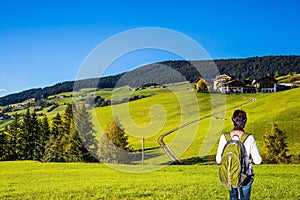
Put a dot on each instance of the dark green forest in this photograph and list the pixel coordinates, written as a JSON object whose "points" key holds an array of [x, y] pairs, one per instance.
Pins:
{"points": [[68, 139], [170, 72]]}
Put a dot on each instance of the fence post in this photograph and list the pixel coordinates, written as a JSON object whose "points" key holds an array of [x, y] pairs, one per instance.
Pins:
{"points": [[143, 140]]}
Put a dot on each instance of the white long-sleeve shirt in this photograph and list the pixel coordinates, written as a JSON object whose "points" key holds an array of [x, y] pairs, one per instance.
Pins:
{"points": [[250, 146]]}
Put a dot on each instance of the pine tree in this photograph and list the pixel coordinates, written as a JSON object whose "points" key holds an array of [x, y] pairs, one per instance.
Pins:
{"points": [[64, 142], [68, 117], [36, 149], [43, 136], [30, 130], [71, 142], [275, 146], [14, 140], [53, 151], [57, 126], [86, 132], [50, 154], [75, 147], [2, 146], [26, 130]]}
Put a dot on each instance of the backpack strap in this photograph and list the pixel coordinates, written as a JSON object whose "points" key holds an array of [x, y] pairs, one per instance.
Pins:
{"points": [[227, 136], [244, 137]]}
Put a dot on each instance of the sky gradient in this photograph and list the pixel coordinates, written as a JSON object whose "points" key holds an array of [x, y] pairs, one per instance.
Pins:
{"points": [[45, 42]]}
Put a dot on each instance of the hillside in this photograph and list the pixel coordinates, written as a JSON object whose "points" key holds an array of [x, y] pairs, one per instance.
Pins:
{"points": [[163, 73], [162, 111], [281, 108]]}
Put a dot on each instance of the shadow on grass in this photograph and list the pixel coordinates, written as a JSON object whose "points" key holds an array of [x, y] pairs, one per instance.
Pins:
{"points": [[205, 160], [146, 149]]}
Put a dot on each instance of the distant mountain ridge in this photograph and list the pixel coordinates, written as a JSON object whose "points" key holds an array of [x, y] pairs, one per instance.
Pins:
{"points": [[253, 68]]}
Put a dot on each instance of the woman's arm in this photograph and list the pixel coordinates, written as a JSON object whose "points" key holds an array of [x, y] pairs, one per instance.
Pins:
{"points": [[222, 143], [255, 153]]}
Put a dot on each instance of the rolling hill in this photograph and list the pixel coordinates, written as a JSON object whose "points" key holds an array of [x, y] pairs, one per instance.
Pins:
{"points": [[281, 108], [170, 72], [168, 108]]}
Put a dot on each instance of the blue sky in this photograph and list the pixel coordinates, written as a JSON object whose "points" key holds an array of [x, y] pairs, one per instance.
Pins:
{"points": [[45, 42]]}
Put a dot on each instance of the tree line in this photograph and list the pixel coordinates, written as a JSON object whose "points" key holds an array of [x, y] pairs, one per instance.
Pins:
{"points": [[33, 138], [68, 86], [253, 68], [71, 138]]}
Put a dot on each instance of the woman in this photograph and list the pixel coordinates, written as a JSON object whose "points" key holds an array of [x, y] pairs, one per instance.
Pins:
{"points": [[239, 120]]}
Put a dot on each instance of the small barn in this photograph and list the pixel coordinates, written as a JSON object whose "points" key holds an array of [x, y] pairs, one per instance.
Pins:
{"points": [[265, 84], [233, 87]]}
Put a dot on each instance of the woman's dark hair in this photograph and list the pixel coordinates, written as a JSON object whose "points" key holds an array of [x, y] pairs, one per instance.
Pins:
{"points": [[239, 119]]}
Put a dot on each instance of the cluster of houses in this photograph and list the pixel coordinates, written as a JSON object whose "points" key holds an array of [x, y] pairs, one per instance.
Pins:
{"points": [[230, 85]]}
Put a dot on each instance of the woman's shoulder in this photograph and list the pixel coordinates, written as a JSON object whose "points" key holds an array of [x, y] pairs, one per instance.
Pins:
{"points": [[250, 137], [249, 134]]}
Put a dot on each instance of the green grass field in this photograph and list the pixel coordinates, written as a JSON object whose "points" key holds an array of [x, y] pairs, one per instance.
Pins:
{"points": [[34, 180], [152, 117], [163, 111], [281, 108]]}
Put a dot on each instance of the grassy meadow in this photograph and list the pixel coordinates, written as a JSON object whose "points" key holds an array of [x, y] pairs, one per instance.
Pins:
{"points": [[150, 117], [202, 137], [34, 180], [170, 107]]}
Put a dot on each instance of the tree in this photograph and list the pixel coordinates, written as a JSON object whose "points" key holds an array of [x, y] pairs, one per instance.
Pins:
{"points": [[43, 136], [114, 144], [50, 154], [2, 146], [57, 126], [72, 146], [116, 134], [14, 140], [202, 86], [86, 132], [280, 145], [36, 137], [30, 131], [275, 146], [64, 144], [53, 151], [26, 130]]}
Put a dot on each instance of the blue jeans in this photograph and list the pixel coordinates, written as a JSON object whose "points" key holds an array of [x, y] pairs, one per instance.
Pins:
{"points": [[244, 191]]}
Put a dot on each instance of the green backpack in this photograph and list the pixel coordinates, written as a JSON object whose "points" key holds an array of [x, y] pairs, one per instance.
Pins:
{"points": [[234, 169]]}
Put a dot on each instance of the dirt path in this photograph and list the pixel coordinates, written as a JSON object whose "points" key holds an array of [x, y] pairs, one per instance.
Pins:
{"points": [[168, 150]]}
